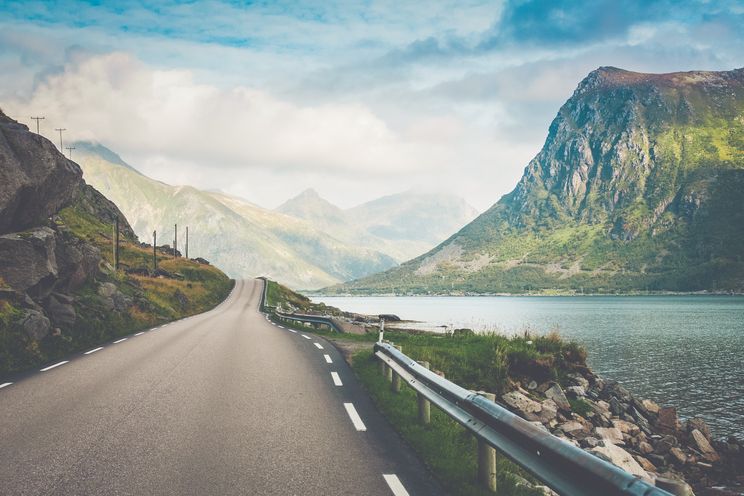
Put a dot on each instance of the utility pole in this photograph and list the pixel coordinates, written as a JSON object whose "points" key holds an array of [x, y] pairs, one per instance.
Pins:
{"points": [[69, 150], [116, 243], [187, 242], [175, 240], [37, 119], [154, 251], [60, 129]]}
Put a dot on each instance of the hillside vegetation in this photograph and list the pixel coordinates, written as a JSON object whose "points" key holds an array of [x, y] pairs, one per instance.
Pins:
{"points": [[59, 291], [639, 187]]}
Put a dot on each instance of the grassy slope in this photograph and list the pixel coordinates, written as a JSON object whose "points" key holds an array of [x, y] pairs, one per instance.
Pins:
{"points": [[156, 300], [483, 362]]}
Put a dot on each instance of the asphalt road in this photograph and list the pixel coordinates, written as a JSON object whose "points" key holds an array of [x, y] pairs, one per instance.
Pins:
{"points": [[218, 404]]}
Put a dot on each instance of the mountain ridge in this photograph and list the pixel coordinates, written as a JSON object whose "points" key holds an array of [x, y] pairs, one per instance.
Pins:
{"points": [[637, 187]]}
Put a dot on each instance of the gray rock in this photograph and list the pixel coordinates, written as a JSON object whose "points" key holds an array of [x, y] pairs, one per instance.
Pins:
{"points": [[522, 405], [700, 442], [35, 324], [621, 458], [36, 180], [61, 310], [575, 392], [555, 393], [28, 262]]}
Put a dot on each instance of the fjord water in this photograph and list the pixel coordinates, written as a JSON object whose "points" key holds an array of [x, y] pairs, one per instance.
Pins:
{"points": [[685, 351]]}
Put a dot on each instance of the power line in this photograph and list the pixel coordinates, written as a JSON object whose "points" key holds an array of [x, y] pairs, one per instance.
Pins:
{"points": [[69, 149], [37, 119], [60, 129]]}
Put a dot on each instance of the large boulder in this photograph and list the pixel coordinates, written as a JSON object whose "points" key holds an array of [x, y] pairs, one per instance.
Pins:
{"points": [[28, 261], [621, 458], [35, 324], [36, 180]]}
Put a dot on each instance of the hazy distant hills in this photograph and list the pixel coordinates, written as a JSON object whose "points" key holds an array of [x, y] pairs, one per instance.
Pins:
{"points": [[402, 225], [242, 238], [639, 186]]}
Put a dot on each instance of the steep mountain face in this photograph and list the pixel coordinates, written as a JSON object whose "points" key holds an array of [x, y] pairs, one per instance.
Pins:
{"points": [[402, 226], [240, 237], [639, 186], [58, 289]]}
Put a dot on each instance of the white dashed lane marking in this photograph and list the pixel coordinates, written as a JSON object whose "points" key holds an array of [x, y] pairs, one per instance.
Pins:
{"points": [[5, 384], [328, 358], [336, 379], [354, 416], [318, 345], [306, 337], [53, 366], [395, 485], [140, 333], [93, 351], [292, 330], [120, 340]]}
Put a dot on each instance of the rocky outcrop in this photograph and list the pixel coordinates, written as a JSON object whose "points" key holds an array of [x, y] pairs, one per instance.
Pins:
{"points": [[36, 181], [42, 264], [635, 434]]}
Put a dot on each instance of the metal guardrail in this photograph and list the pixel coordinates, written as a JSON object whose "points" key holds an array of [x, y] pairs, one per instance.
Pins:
{"points": [[563, 467], [312, 319]]}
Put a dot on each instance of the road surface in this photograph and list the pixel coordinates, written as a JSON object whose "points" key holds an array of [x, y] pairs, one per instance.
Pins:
{"points": [[218, 404]]}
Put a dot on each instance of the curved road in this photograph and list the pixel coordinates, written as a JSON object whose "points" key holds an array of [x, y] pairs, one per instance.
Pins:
{"points": [[220, 403]]}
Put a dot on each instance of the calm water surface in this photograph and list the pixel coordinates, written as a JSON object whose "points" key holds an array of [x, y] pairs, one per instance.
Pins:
{"points": [[686, 351]]}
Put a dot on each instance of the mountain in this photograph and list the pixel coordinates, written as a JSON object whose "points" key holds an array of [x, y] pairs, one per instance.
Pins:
{"points": [[402, 225], [242, 238], [639, 186], [59, 289]]}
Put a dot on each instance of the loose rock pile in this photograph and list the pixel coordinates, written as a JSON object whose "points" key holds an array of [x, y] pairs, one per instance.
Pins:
{"points": [[637, 435]]}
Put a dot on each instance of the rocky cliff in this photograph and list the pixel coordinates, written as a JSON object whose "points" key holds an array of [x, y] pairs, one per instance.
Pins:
{"points": [[637, 187], [58, 289]]}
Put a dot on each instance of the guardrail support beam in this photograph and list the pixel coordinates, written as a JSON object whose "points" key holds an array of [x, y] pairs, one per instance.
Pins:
{"points": [[487, 459], [424, 406], [396, 378]]}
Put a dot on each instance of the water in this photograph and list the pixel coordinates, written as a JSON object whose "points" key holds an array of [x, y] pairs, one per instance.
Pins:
{"points": [[686, 351]]}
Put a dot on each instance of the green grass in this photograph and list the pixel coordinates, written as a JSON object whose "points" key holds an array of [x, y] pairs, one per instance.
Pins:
{"points": [[155, 300], [448, 450]]}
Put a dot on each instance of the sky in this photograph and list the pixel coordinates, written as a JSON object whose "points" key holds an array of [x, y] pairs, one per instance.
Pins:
{"points": [[356, 99]]}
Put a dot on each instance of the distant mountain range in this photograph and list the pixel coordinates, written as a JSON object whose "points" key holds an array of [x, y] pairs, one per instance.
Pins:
{"points": [[307, 243], [402, 225], [639, 186]]}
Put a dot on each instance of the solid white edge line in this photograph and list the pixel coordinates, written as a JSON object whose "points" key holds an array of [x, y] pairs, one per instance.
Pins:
{"points": [[140, 333], [328, 358], [395, 485], [318, 345], [119, 341], [306, 337], [93, 351], [336, 379], [55, 365], [354, 416], [5, 384]]}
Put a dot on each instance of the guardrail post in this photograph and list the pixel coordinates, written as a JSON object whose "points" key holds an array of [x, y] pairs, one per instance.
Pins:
{"points": [[424, 406], [389, 370], [396, 377], [487, 458]]}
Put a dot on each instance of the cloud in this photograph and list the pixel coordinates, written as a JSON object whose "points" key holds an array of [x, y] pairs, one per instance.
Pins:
{"points": [[115, 98]]}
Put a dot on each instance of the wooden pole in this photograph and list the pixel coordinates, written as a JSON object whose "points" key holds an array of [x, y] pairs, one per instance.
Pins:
{"points": [[187, 242], [175, 240], [154, 251]]}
